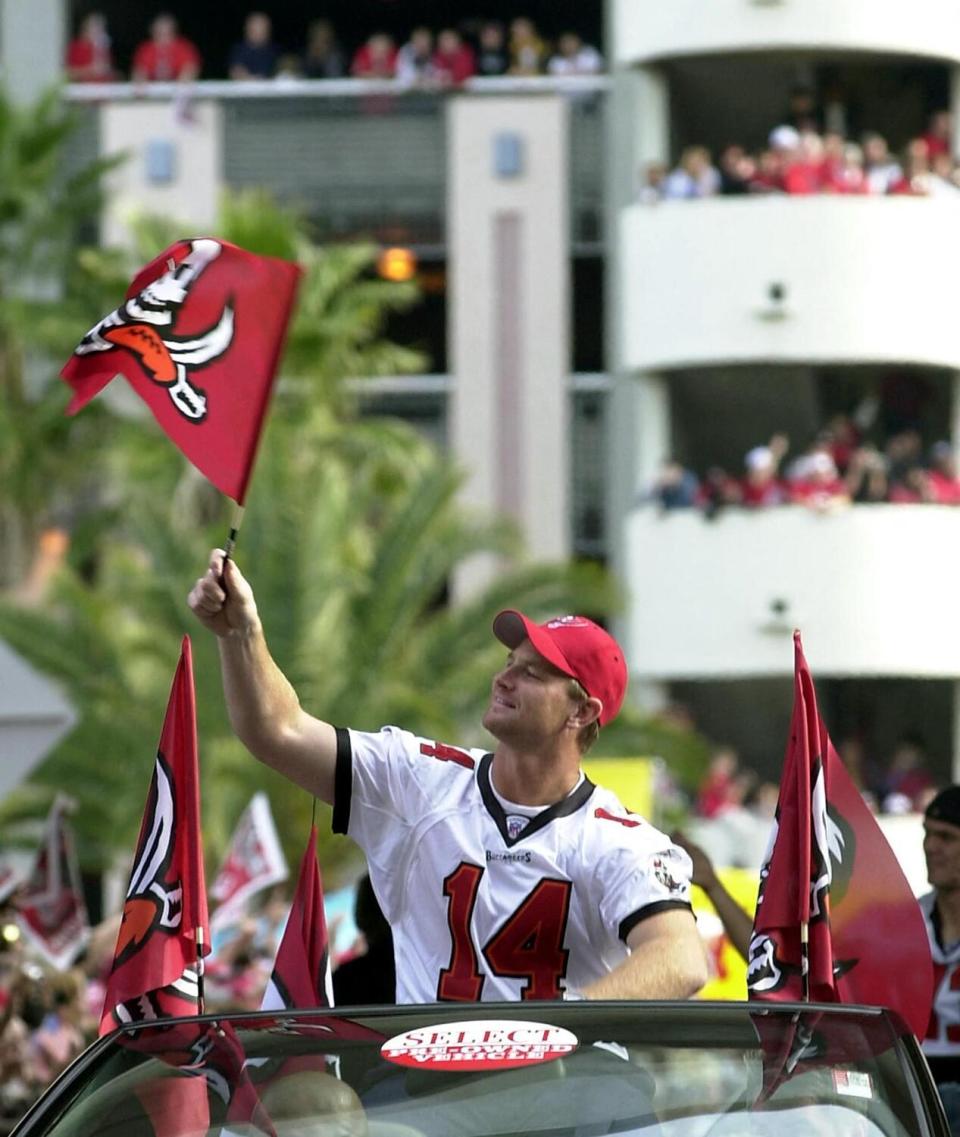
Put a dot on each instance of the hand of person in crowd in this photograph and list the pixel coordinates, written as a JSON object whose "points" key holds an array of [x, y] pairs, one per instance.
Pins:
{"points": [[737, 923], [779, 444], [222, 600], [704, 875]]}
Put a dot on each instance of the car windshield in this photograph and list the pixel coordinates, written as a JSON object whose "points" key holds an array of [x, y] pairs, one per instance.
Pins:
{"points": [[688, 1071]]}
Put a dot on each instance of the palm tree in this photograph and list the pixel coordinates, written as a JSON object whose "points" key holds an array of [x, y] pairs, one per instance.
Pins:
{"points": [[41, 210], [349, 559], [352, 533]]}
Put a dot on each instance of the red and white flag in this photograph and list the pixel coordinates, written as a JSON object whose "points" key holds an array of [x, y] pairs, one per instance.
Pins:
{"points": [[829, 868], [164, 932], [301, 975], [254, 861], [51, 909], [198, 337]]}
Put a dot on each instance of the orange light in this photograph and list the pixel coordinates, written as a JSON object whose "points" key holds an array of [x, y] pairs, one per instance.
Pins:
{"points": [[397, 264]]}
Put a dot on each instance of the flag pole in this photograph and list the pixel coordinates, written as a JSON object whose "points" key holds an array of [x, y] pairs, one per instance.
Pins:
{"points": [[231, 542], [805, 960], [200, 996]]}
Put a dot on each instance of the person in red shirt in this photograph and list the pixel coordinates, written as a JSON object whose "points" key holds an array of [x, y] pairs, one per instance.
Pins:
{"points": [[761, 485], [453, 61], [913, 487], [818, 484], [375, 59], [942, 474], [937, 134], [166, 56], [88, 54], [715, 793], [915, 177], [804, 167]]}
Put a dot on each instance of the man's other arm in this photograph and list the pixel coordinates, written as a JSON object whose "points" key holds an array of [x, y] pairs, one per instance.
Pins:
{"points": [[667, 961]]}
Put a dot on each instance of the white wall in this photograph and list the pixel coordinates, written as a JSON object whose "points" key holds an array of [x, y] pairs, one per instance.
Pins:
{"points": [[647, 30], [509, 323], [192, 130], [866, 279], [33, 35], [872, 589]]}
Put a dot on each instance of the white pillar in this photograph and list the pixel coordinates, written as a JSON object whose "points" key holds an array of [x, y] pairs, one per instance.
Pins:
{"points": [[638, 134], [509, 324], [638, 130], [33, 38], [640, 439]]}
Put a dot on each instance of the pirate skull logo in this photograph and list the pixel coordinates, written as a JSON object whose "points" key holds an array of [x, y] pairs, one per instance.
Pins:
{"points": [[145, 326]]}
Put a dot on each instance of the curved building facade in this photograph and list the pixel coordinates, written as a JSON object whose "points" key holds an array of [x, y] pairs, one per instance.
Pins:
{"points": [[735, 319]]}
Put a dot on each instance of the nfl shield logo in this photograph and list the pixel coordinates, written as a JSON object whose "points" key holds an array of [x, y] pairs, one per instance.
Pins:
{"points": [[516, 824]]}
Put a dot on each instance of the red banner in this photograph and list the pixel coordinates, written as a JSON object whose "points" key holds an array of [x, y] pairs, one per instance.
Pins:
{"points": [[301, 972], [211, 1086], [254, 861], [829, 867], [51, 909], [158, 964], [198, 338]]}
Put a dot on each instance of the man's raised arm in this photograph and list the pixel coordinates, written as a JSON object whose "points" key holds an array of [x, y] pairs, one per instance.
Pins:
{"points": [[264, 710]]}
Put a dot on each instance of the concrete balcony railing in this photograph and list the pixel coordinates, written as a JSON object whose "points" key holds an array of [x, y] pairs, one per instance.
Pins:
{"points": [[872, 588], [648, 31], [790, 279], [361, 157]]}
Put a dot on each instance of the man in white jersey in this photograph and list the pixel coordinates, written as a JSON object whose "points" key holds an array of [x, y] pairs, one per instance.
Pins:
{"points": [[505, 875], [941, 912]]}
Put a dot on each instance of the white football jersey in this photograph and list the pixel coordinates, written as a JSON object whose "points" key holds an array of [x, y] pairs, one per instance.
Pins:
{"points": [[478, 909], [943, 1033]]}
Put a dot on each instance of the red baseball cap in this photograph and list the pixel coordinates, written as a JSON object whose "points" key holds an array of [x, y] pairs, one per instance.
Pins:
{"points": [[576, 646]]}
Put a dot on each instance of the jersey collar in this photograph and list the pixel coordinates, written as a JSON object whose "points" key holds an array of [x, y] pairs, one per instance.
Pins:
{"points": [[564, 808]]}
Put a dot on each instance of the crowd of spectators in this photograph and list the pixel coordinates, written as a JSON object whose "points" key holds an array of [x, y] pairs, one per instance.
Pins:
{"points": [[802, 158], [733, 807], [48, 1017], [430, 57], [837, 468], [46, 1020]]}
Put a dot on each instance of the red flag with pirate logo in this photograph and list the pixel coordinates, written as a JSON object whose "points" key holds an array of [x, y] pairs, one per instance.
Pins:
{"points": [[254, 861], [198, 337], [51, 909], [165, 931], [301, 972], [829, 867]]}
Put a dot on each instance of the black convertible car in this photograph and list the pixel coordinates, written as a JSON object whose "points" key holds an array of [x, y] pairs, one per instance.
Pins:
{"points": [[581, 1069]]}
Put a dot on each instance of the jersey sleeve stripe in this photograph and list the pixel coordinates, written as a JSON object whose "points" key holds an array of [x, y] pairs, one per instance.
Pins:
{"points": [[342, 782], [630, 922]]}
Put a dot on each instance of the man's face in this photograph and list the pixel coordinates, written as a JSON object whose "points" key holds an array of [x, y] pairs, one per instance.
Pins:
{"points": [[530, 700], [941, 847]]}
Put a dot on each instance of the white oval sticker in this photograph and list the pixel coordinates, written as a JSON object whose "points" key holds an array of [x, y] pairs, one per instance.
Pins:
{"points": [[484, 1044]]}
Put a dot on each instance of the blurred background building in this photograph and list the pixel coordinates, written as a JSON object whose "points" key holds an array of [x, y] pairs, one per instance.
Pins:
{"points": [[650, 294]]}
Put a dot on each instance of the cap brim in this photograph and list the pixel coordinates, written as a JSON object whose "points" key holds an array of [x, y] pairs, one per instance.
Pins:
{"points": [[512, 628]]}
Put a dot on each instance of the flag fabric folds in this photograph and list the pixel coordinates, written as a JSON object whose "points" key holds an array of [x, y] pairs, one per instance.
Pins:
{"points": [[301, 975], [829, 869], [254, 861], [164, 931], [207, 1082], [51, 909], [198, 337]]}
